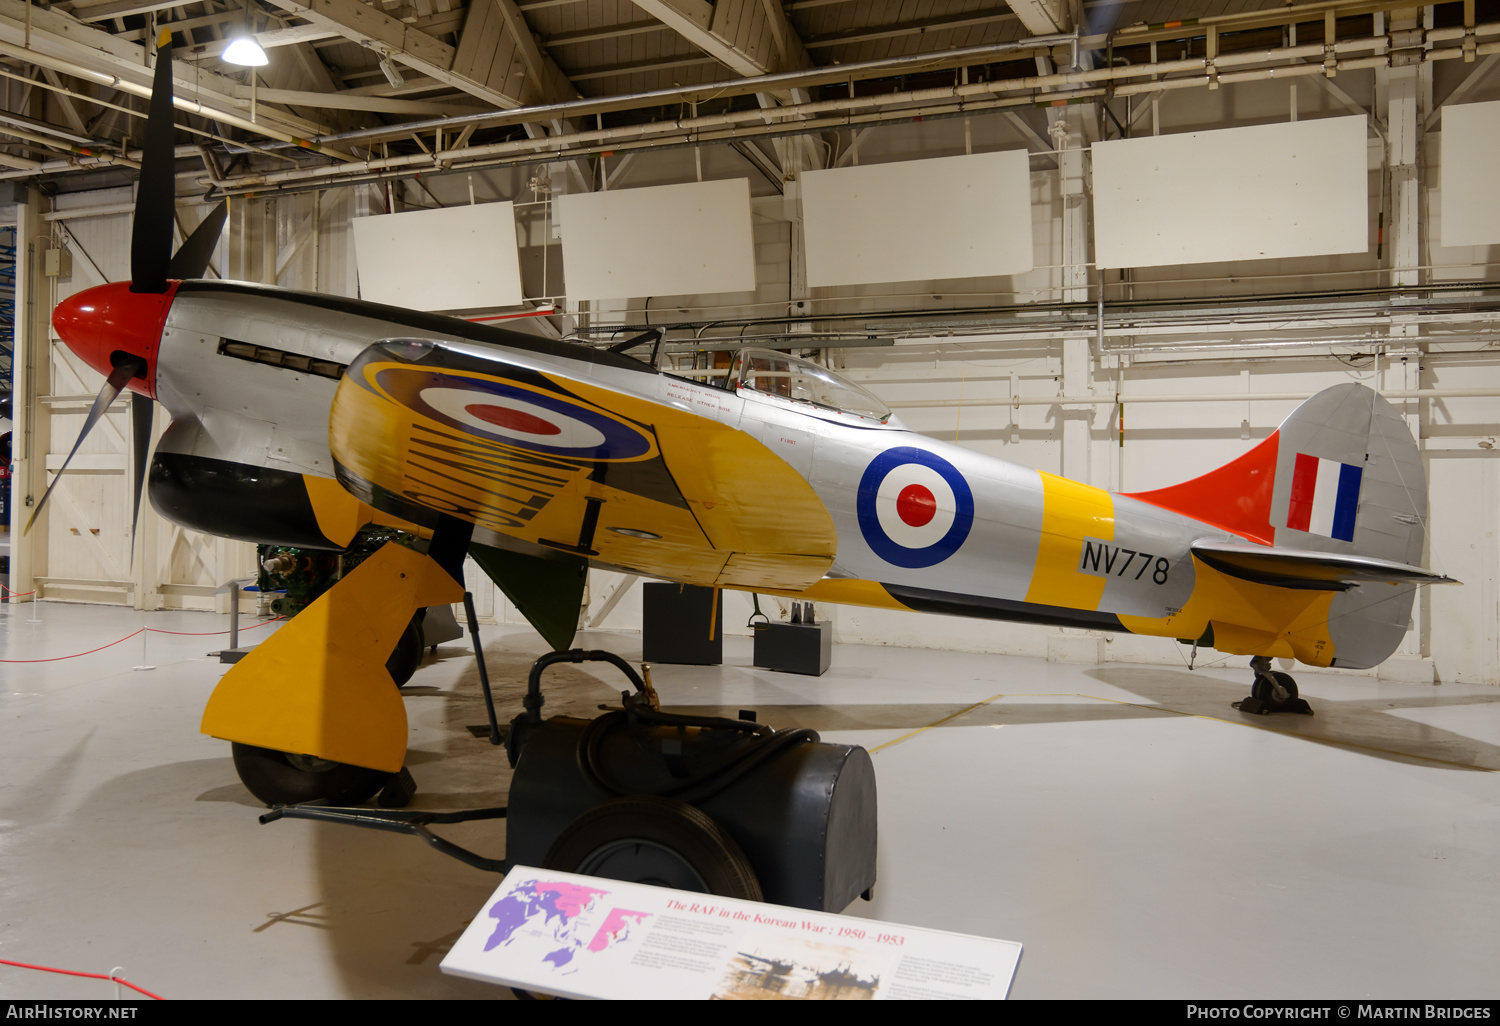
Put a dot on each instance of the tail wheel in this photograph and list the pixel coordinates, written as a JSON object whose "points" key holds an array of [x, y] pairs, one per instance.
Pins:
{"points": [[283, 778], [1262, 690], [655, 841]]}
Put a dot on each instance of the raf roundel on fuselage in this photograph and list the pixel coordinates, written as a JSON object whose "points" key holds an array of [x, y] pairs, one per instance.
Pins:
{"points": [[915, 508]]}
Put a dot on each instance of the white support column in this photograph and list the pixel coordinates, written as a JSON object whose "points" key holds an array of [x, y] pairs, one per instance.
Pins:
{"points": [[798, 303], [31, 376], [1403, 89], [1070, 134]]}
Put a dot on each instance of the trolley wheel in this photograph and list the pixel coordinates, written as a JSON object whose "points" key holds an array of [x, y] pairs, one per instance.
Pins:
{"points": [[650, 840], [284, 778], [407, 655]]}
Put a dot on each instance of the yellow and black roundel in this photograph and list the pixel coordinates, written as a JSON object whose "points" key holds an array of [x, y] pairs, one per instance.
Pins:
{"points": [[513, 413]]}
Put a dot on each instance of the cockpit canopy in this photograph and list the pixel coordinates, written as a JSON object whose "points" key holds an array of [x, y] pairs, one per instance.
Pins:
{"points": [[801, 381]]}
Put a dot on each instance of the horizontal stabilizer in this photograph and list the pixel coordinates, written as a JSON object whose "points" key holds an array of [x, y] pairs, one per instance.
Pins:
{"points": [[1307, 569]]}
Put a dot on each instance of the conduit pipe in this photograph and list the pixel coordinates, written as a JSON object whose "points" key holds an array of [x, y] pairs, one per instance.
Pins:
{"points": [[920, 62], [715, 90], [745, 123], [185, 150], [1212, 397], [180, 102], [738, 125], [108, 155]]}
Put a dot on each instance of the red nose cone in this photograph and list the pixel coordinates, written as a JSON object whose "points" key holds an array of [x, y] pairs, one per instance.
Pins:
{"points": [[108, 322]]}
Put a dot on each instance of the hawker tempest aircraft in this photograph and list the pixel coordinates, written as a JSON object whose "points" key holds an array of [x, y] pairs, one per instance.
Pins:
{"points": [[298, 418]]}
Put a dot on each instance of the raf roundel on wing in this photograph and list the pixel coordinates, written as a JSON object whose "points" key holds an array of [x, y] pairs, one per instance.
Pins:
{"points": [[915, 508], [515, 414]]}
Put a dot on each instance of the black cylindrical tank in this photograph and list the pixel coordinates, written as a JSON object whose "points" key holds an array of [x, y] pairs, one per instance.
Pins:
{"points": [[802, 810]]}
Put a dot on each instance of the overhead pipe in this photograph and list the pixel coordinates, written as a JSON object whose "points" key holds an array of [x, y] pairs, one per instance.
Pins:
{"points": [[860, 71], [1211, 397], [688, 94], [185, 150], [914, 62], [753, 122], [180, 102], [109, 154]]}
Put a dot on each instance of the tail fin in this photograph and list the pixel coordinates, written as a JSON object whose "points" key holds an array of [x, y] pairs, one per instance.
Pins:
{"points": [[1342, 474], [1338, 498]]}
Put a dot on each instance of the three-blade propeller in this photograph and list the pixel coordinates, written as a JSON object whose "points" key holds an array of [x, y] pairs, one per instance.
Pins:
{"points": [[152, 267]]}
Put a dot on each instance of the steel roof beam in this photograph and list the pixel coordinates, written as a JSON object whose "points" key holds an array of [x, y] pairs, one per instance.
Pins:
{"points": [[65, 44], [495, 44], [751, 37], [120, 8]]}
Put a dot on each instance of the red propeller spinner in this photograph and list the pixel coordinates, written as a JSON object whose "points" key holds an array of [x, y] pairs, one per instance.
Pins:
{"points": [[116, 329], [108, 324]]}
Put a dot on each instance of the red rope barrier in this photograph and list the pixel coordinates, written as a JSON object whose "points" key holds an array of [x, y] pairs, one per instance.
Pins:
{"points": [[204, 634], [91, 651], [153, 630], [92, 976]]}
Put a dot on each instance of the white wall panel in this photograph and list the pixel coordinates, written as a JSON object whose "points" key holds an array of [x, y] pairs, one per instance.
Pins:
{"points": [[1287, 190], [951, 217], [1470, 155], [667, 240], [454, 258]]}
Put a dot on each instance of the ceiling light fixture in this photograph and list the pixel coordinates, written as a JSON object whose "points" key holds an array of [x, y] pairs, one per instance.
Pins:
{"points": [[245, 52], [243, 49]]}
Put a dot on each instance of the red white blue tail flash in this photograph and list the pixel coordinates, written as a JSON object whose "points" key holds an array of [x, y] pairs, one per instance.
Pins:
{"points": [[1325, 497]]}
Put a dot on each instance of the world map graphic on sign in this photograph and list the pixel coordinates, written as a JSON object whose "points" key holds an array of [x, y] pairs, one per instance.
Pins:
{"points": [[564, 914]]}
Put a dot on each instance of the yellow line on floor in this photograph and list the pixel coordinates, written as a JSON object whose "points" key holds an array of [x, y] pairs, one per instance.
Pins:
{"points": [[938, 723], [1179, 712], [1296, 734]]}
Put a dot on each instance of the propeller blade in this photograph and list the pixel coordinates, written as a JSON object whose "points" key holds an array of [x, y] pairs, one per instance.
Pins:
{"points": [[113, 386], [156, 197], [141, 411], [192, 259]]}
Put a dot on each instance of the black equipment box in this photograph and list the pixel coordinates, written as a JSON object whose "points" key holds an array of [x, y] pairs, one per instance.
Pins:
{"points": [[803, 813], [721, 805], [794, 647], [682, 623]]}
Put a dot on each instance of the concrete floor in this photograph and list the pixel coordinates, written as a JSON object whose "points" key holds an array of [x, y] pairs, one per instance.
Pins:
{"points": [[1139, 836]]}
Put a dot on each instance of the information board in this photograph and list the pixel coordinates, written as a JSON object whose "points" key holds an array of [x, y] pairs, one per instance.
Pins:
{"points": [[585, 937]]}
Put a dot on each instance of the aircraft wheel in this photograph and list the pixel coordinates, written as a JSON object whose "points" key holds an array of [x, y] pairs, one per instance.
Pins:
{"points": [[1261, 690], [407, 655], [656, 841], [282, 778]]}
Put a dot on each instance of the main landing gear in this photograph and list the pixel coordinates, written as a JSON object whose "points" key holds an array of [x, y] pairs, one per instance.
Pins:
{"points": [[1273, 691]]}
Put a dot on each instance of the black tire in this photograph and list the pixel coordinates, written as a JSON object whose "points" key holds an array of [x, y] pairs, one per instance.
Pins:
{"points": [[281, 778], [1261, 690], [407, 655], [656, 841]]}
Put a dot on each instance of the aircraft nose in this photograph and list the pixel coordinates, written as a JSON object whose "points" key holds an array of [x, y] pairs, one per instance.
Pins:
{"points": [[107, 323]]}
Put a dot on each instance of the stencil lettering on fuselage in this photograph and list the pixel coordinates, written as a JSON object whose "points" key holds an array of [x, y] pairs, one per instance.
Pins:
{"points": [[1103, 559]]}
